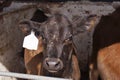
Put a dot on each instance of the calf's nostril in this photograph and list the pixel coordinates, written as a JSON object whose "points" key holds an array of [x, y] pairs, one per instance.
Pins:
{"points": [[47, 63], [57, 64]]}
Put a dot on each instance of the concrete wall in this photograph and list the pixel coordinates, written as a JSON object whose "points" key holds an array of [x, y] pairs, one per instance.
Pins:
{"points": [[11, 40]]}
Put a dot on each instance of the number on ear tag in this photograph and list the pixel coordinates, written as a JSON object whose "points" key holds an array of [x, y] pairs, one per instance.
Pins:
{"points": [[30, 42]]}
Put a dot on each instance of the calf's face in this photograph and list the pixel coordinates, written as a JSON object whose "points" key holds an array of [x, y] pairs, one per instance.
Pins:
{"points": [[56, 35], [57, 41]]}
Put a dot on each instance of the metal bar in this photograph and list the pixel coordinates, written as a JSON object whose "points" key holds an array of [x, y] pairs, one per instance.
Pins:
{"points": [[28, 76]]}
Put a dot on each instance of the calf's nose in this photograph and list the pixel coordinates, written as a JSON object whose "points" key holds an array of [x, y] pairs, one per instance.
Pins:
{"points": [[53, 64]]}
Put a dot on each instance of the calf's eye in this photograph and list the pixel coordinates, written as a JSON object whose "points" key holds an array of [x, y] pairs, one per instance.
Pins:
{"points": [[68, 40], [37, 33]]}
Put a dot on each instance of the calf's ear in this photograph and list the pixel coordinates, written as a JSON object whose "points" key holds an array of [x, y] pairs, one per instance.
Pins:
{"points": [[25, 26], [84, 24]]}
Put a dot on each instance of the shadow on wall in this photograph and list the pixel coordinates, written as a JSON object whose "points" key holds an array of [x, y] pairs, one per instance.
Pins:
{"points": [[39, 16]]}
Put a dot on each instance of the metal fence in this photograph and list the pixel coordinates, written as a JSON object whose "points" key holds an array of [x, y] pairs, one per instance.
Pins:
{"points": [[28, 76]]}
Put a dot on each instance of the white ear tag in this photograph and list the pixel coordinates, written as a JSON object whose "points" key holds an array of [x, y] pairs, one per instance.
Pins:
{"points": [[30, 42]]}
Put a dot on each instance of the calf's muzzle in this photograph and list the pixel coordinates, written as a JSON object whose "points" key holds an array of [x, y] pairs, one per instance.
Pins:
{"points": [[53, 64]]}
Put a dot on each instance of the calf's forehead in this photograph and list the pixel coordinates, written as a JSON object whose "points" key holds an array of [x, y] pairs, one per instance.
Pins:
{"points": [[56, 29]]}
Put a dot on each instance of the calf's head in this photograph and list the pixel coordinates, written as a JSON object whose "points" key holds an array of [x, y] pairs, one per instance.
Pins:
{"points": [[57, 35]]}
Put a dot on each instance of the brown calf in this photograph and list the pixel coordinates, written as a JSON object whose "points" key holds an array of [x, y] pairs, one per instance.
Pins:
{"points": [[104, 60], [33, 59], [109, 62]]}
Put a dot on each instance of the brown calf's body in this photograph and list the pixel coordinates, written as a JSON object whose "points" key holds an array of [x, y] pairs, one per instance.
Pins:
{"points": [[33, 59], [109, 62], [106, 48]]}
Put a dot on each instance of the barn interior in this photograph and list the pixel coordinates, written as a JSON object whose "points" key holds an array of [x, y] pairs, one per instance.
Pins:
{"points": [[11, 37]]}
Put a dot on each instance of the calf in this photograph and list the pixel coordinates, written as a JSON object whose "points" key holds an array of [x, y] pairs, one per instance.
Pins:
{"points": [[106, 40], [56, 51], [52, 38], [108, 62]]}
